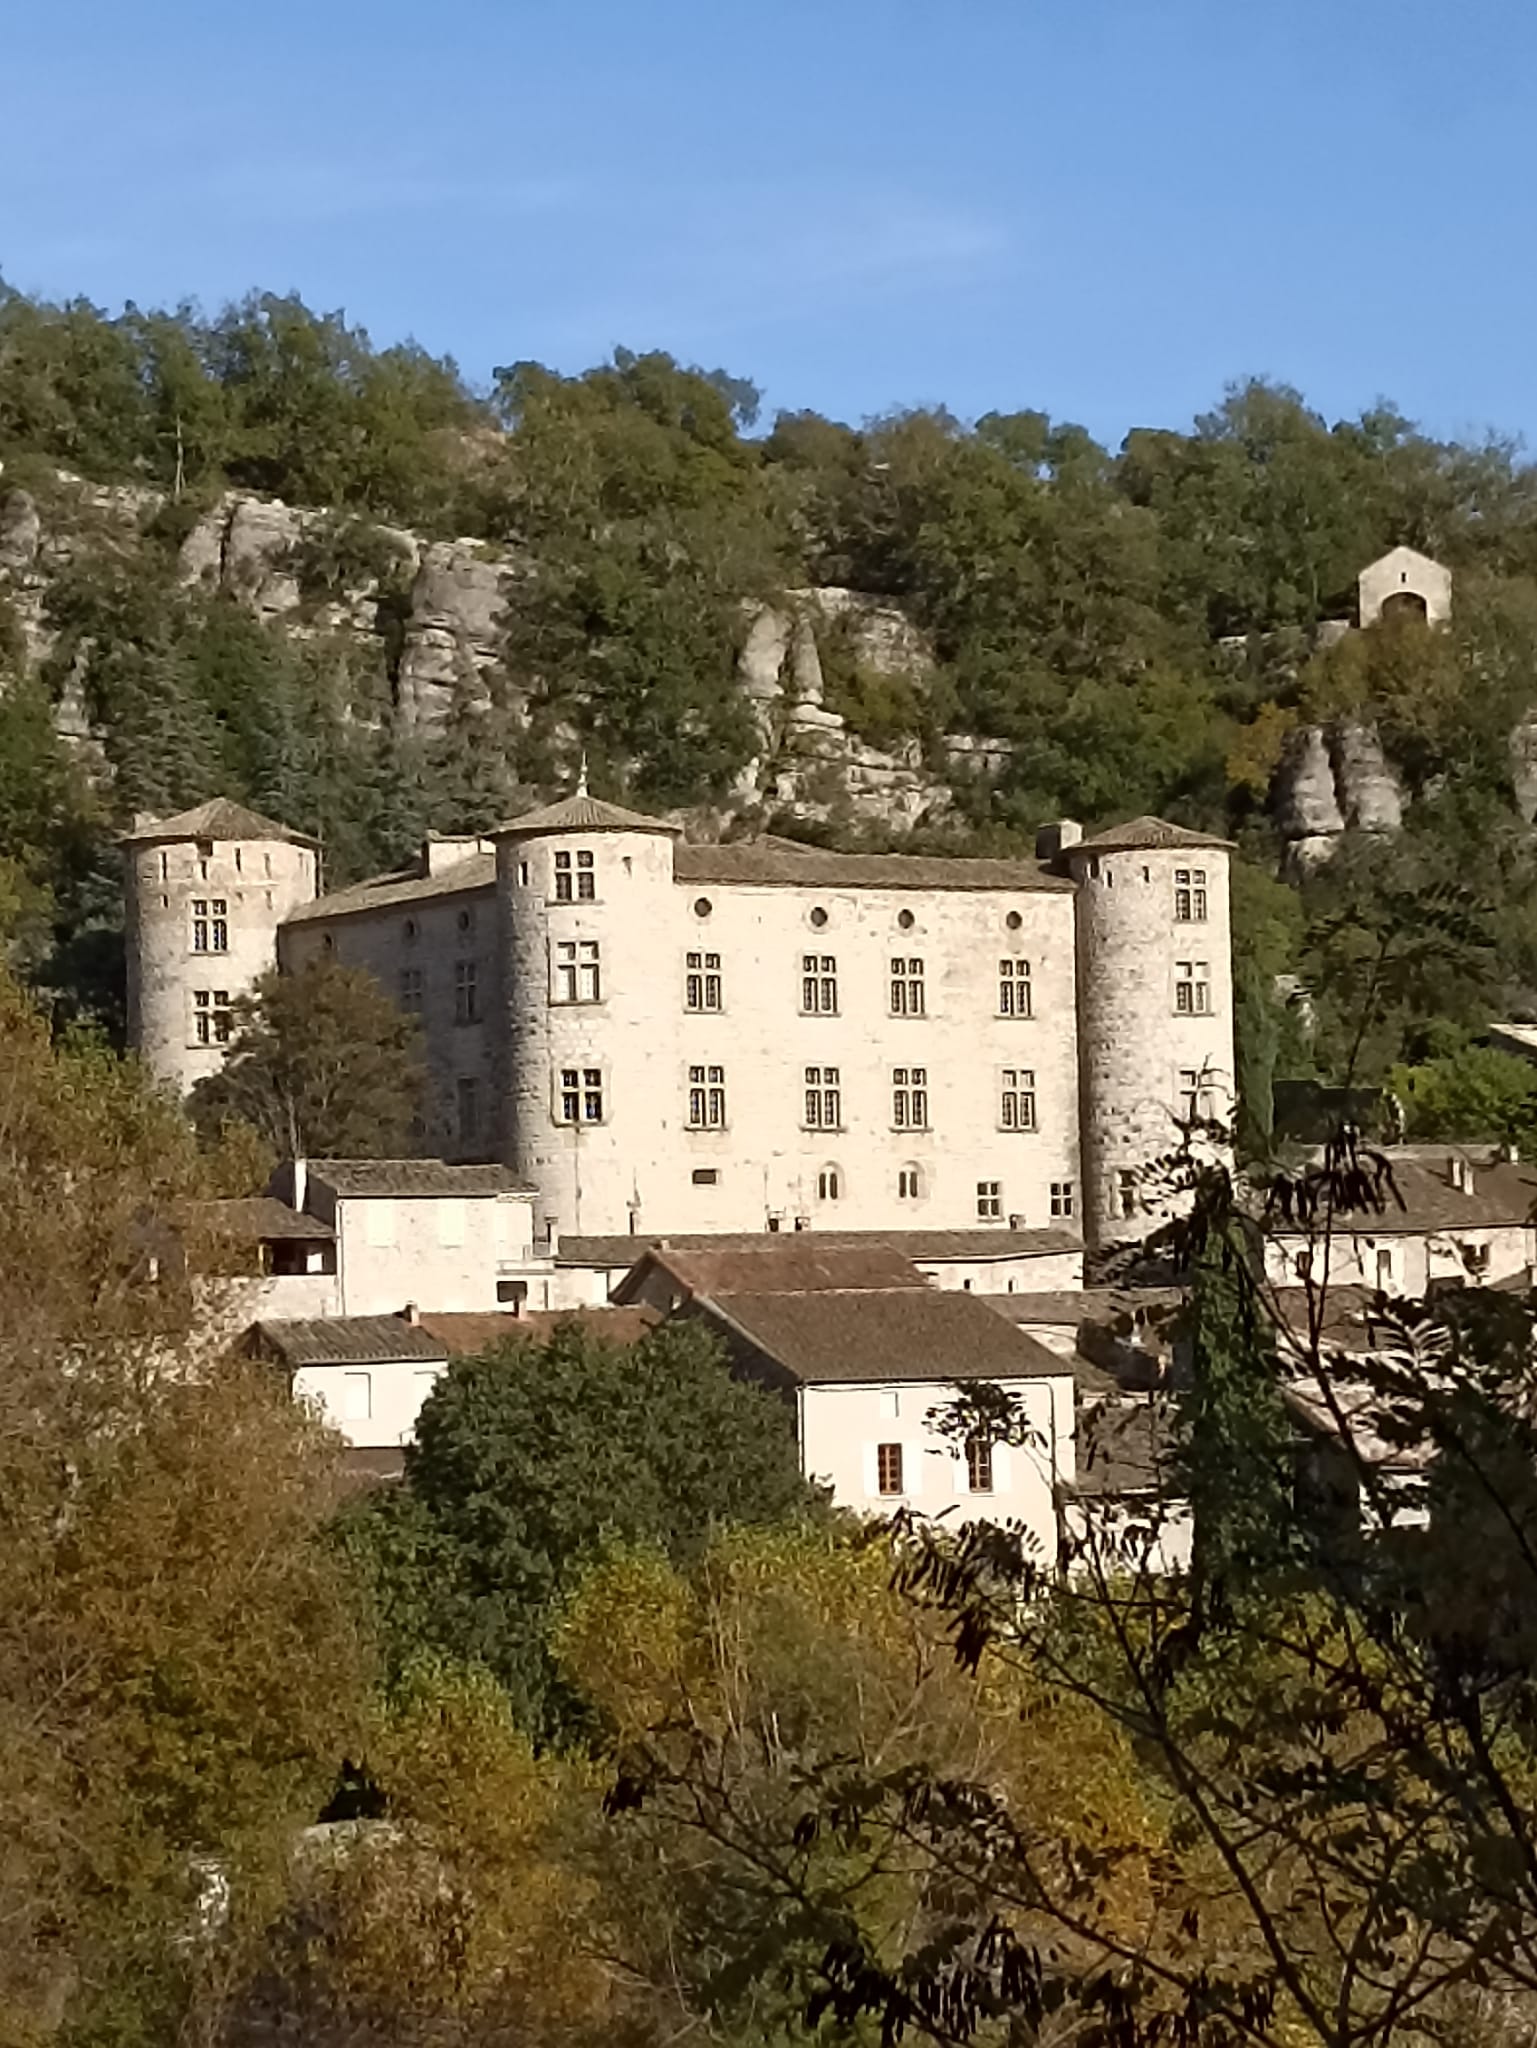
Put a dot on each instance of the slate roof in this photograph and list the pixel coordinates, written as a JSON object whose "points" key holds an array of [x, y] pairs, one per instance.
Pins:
{"points": [[352, 1340], [218, 819], [779, 863], [261, 1219], [413, 1177], [476, 872], [581, 813], [874, 1336], [777, 1264], [933, 1245], [1150, 833]]}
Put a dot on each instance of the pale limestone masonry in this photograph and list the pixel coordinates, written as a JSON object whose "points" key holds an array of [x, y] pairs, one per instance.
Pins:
{"points": [[761, 1035], [1155, 1018], [205, 894], [1404, 580]]}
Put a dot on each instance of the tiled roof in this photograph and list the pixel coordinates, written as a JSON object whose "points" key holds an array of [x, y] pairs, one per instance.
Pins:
{"points": [[1503, 1193], [582, 813], [779, 1264], [464, 1335], [477, 871], [411, 1177], [261, 1219], [1124, 1447], [1109, 1305], [778, 865], [878, 1335], [1149, 833], [352, 1340], [217, 819], [922, 1245]]}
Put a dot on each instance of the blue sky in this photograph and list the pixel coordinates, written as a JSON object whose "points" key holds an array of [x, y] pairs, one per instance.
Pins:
{"points": [[1104, 208]]}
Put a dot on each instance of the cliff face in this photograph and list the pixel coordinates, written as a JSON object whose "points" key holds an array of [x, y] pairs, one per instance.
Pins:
{"points": [[436, 609], [1331, 780]]}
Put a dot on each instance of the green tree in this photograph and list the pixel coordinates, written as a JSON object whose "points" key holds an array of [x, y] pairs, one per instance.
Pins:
{"points": [[321, 1062], [528, 1461]]}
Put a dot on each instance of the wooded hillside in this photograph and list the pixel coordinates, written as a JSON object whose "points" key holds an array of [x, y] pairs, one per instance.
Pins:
{"points": [[1129, 630]]}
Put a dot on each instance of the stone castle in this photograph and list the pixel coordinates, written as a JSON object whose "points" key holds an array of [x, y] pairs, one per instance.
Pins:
{"points": [[662, 1036]]}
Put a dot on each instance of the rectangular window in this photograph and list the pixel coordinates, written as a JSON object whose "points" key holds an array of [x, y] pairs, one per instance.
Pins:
{"points": [[1190, 895], [586, 879], [1014, 993], [357, 1396], [1061, 1198], [705, 1176], [707, 1098], [906, 988], [819, 984], [1016, 1098], [910, 1098], [581, 1095], [824, 1099], [411, 988], [979, 1465], [466, 992], [1192, 988], [467, 1094], [210, 925], [909, 1183], [701, 984], [1126, 1190], [213, 1016], [989, 1200], [563, 878], [888, 1467], [577, 976]]}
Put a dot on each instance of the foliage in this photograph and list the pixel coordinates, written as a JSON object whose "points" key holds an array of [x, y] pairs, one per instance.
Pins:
{"points": [[1475, 1092], [177, 1664], [321, 1063], [529, 1460]]}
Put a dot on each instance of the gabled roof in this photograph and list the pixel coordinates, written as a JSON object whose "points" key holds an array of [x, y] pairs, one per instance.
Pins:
{"points": [[1151, 834], [352, 1340], [929, 1246], [871, 1336], [467, 1332], [780, 863], [218, 819], [405, 885], [773, 1264], [582, 813], [261, 1219], [412, 1177]]}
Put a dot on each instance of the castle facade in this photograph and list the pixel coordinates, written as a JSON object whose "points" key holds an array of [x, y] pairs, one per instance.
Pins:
{"points": [[660, 1036]]}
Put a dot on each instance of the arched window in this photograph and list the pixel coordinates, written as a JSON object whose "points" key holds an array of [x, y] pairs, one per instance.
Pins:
{"points": [[829, 1184], [910, 1183]]}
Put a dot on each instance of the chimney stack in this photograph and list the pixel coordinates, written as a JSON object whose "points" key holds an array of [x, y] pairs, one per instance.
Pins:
{"points": [[1052, 841], [412, 1315]]}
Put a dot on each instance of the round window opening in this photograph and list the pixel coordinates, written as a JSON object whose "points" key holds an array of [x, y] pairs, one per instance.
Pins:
{"points": [[1013, 920], [819, 917], [905, 920], [702, 906]]}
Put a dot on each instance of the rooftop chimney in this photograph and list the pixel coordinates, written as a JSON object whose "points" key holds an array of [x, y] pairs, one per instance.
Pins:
{"points": [[299, 1174], [1461, 1174], [412, 1315], [1052, 841]]}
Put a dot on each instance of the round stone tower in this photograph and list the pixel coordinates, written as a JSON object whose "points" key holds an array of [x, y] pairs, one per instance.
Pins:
{"points": [[1155, 1009], [584, 901], [204, 895]]}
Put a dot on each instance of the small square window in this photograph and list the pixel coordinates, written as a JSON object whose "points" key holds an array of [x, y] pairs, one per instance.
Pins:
{"points": [[705, 1176], [1061, 1198], [989, 1200]]}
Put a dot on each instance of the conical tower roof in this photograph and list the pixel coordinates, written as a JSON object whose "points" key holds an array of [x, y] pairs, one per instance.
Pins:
{"points": [[220, 818]]}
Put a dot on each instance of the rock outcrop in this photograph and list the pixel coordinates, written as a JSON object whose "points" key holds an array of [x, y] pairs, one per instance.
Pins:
{"points": [[808, 762], [1331, 779]]}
